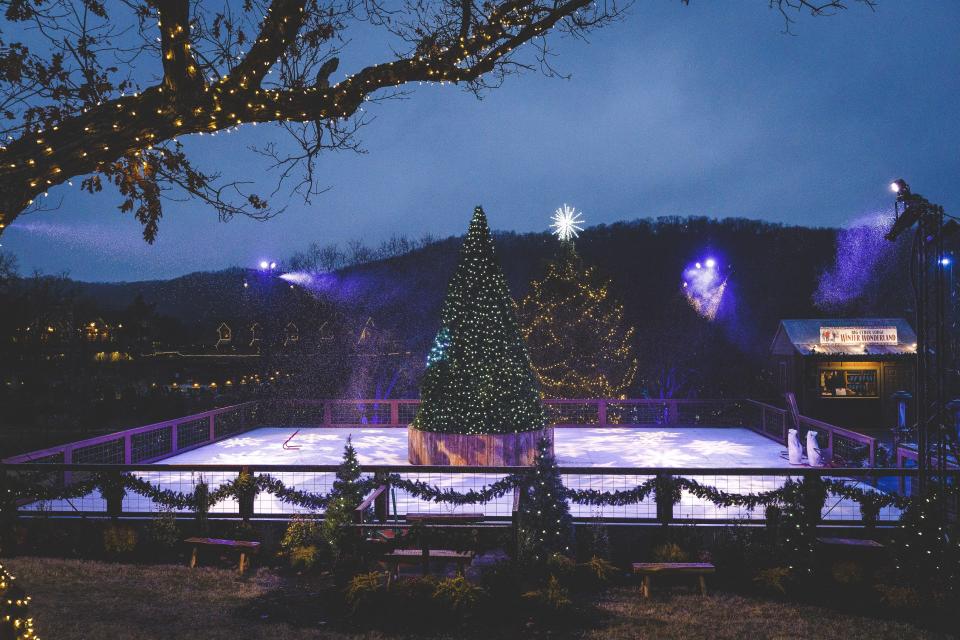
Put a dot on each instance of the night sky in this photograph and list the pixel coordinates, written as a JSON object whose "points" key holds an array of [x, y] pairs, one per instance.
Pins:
{"points": [[707, 109]]}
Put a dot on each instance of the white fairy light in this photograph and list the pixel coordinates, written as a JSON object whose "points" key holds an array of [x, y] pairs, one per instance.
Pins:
{"points": [[566, 222]]}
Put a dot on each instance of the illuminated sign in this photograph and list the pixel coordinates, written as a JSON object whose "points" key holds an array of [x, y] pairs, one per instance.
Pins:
{"points": [[858, 335]]}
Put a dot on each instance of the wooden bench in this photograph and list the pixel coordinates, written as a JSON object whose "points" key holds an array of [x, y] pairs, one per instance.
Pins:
{"points": [[850, 542], [649, 569], [413, 556], [444, 518], [243, 546]]}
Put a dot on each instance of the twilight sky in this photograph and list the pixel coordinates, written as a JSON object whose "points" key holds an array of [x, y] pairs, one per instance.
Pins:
{"points": [[707, 109]]}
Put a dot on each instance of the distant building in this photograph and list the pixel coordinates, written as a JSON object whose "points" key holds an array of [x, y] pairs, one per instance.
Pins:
{"points": [[844, 370]]}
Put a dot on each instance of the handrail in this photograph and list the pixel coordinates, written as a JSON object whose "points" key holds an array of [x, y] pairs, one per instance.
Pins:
{"points": [[127, 435], [327, 412], [416, 469], [833, 431]]}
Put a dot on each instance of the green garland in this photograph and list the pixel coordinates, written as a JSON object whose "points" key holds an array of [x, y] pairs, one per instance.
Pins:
{"points": [[870, 501], [430, 493]]}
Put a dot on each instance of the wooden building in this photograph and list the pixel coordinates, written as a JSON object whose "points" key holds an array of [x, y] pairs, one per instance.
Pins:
{"points": [[844, 371]]}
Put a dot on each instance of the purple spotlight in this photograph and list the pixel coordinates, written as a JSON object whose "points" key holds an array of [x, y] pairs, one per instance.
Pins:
{"points": [[711, 263], [273, 265], [264, 265], [699, 266], [945, 261]]}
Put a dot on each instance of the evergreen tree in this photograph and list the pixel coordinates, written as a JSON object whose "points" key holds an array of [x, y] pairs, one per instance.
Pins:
{"points": [[928, 551], [579, 345], [346, 496], [545, 526], [478, 377]]}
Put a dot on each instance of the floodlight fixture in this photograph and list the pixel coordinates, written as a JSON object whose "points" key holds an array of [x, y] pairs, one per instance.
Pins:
{"points": [[900, 187]]}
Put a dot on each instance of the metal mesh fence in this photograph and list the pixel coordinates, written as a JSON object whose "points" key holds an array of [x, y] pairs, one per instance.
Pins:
{"points": [[109, 452], [571, 413], [360, 413], [151, 445], [645, 510], [193, 432], [228, 422], [319, 481], [637, 413]]}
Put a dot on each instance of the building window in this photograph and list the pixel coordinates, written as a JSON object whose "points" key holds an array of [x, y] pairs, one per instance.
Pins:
{"points": [[848, 383]]}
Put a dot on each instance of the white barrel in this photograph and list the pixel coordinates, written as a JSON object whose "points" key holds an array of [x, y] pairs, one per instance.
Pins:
{"points": [[794, 450]]}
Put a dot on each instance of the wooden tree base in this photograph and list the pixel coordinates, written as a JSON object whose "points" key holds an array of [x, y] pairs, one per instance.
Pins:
{"points": [[487, 450]]}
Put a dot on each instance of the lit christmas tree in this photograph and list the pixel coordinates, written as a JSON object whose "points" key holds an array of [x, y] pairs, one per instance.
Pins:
{"points": [[346, 496], [579, 345], [478, 377], [927, 553], [545, 524]]}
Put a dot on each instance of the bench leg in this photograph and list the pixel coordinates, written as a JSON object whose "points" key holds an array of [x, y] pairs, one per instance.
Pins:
{"points": [[703, 585], [645, 588], [193, 557], [243, 563]]}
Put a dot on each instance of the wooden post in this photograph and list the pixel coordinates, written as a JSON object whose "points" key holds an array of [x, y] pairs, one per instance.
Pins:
{"points": [[381, 506], [67, 459], [213, 430], [173, 438], [327, 413], [127, 449], [602, 412], [246, 498], [394, 413], [664, 500]]}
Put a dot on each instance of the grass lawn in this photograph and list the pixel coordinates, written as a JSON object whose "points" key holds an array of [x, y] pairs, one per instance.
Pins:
{"points": [[75, 599]]}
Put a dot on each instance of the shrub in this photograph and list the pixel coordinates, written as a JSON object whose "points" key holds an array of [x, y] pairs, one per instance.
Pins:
{"points": [[773, 579], [119, 539], [164, 530], [503, 581], [847, 572], [598, 571], [457, 596], [552, 598], [300, 542], [899, 596], [305, 556], [562, 567], [669, 552], [302, 531], [365, 591]]}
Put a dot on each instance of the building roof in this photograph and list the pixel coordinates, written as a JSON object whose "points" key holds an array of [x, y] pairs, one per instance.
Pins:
{"points": [[804, 337]]}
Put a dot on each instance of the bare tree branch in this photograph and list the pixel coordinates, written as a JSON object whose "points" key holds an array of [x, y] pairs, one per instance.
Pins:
{"points": [[74, 104]]}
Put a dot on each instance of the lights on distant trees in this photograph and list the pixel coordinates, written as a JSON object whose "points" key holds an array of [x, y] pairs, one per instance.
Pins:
{"points": [[566, 222]]}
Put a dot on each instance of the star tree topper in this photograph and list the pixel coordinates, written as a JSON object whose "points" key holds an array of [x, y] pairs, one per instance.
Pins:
{"points": [[566, 222]]}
